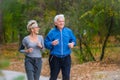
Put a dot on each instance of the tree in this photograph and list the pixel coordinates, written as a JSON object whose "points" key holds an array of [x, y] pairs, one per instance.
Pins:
{"points": [[1, 30], [113, 13], [95, 18], [16, 15]]}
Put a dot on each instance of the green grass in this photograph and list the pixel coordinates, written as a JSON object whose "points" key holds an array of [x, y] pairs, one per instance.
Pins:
{"points": [[20, 78]]}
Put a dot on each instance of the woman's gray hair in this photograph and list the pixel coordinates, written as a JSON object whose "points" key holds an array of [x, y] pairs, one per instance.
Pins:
{"points": [[59, 16], [32, 24]]}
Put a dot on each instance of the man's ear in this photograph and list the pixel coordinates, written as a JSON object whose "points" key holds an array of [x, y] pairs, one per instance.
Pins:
{"points": [[55, 23]]}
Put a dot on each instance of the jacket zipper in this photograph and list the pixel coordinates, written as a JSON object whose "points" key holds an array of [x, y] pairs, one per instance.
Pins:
{"points": [[61, 43]]}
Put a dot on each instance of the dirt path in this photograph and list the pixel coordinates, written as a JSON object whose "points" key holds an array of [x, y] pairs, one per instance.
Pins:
{"points": [[106, 75], [86, 71], [108, 70]]}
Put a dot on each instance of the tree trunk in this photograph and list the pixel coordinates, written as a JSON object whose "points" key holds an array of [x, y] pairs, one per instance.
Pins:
{"points": [[89, 52], [57, 5], [81, 50], [106, 39], [1, 28]]}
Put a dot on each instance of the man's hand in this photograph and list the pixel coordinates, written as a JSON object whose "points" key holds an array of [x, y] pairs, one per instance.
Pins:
{"points": [[71, 45], [55, 42]]}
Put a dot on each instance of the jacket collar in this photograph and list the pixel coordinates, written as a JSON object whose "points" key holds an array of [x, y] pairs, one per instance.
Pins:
{"points": [[58, 29]]}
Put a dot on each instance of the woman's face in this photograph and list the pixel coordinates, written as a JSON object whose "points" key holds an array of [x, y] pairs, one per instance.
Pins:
{"points": [[35, 30]]}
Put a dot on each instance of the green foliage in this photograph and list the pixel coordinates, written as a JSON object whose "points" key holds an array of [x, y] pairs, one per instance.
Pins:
{"points": [[92, 16], [20, 78], [11, 18], [3, 63], [48, 20], [79, 56]]}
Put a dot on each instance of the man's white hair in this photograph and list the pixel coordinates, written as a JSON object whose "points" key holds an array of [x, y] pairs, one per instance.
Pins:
{"points": [[31, 24], [59, 16]]}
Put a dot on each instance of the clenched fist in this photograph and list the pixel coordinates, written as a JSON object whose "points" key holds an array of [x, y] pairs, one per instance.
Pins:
{"points": [[29, 50], [55, 42]]}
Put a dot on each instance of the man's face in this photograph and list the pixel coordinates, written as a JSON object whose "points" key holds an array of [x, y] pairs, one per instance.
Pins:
{"points": [[60, 23]]}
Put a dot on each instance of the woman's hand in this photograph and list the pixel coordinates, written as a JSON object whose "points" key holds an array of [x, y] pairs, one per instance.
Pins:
{"points": [[39, 45], [29, 50]]}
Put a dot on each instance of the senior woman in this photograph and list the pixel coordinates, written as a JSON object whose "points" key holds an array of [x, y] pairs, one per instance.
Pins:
{"points": [[32, 47]]}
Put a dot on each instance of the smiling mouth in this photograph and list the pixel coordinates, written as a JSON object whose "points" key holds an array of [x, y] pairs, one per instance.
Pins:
{"points": [[37, 32]]}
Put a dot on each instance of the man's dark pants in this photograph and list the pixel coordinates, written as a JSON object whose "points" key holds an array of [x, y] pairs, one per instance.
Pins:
{"points": [[60, 63]]}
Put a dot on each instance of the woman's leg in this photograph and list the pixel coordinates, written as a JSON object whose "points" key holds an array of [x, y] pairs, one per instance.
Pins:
{"points": [[37, 68], [29, 68]]}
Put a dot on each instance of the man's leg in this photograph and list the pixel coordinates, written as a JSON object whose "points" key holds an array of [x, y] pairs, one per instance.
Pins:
{"points": [[65, 66], [54, 67]]}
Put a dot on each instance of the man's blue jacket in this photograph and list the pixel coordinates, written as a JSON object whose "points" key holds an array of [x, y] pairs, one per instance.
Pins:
{"points": [[65, 36]]}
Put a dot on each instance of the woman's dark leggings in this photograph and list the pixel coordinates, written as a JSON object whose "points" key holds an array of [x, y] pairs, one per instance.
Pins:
{"points": [[33, 68]]}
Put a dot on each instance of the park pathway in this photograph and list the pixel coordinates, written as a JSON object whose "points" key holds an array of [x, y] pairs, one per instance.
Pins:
{"points": [[12, 75], [101, 75]]}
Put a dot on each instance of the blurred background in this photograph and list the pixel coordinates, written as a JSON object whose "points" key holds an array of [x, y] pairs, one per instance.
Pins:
{"points": [[95, 23]]}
